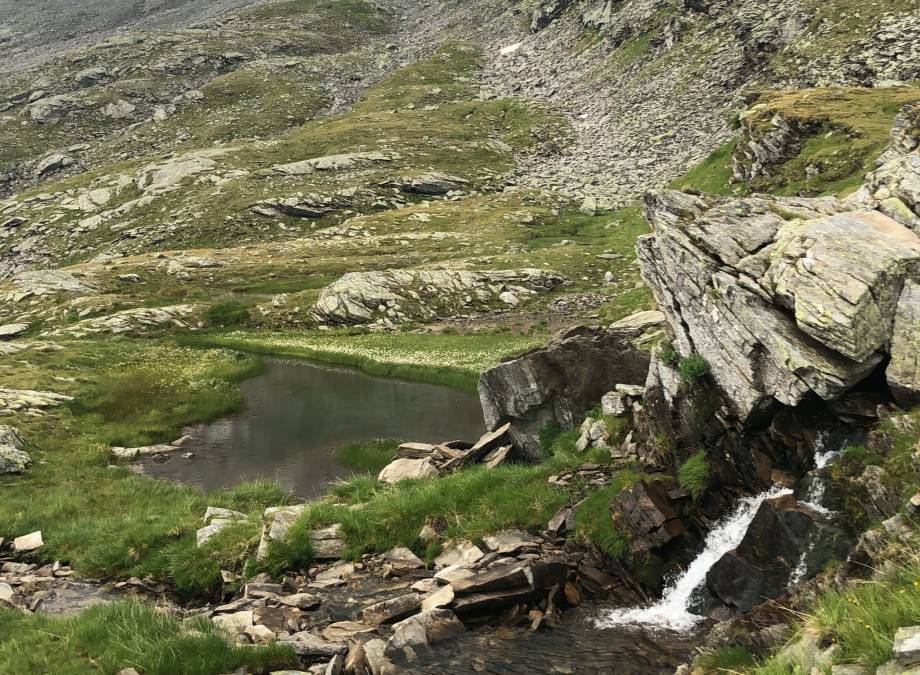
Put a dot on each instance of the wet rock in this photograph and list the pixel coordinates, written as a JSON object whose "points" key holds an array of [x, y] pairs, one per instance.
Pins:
{"points": [[408, 469], [425, 629], [310, 646], [305, 601], [647, 510], [401, 560], [558, 383], [342, 631], [782, 537], [389, 611]]}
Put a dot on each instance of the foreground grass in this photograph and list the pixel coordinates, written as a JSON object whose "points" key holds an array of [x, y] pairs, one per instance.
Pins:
{"points": [[107, 638], [451, 360], [861, 621], [469, 504], [103, 519]]}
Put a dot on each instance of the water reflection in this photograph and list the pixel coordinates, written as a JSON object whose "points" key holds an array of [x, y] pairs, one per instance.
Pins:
{"points": [[298, 413]]}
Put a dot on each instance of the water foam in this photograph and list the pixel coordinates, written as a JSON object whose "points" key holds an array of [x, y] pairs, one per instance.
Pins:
{"points": [[672, 612]]}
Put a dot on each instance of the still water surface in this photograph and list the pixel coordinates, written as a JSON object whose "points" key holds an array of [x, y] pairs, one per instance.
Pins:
{"points": [[297, 414]]}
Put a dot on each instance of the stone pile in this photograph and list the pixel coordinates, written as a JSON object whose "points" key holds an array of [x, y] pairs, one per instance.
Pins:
{"points": [[424, 460], [397, 606]]}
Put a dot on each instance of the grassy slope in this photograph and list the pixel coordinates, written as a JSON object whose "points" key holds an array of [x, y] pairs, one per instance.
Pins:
{"points": [[848, 129]]}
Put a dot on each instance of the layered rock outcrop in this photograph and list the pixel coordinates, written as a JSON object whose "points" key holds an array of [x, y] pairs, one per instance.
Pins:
{"points": [[784, 298], [424, 295]]}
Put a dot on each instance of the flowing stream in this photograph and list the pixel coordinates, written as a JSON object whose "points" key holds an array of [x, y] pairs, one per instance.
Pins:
{"points": [[672, 612]]}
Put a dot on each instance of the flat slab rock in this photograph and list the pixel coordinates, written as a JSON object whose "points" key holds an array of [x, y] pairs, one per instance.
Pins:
{"points": [[906, 650], [425, 295]]}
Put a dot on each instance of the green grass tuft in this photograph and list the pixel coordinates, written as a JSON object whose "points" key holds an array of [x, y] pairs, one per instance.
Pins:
{"points": [[369, 456], [107, 638], [693, 368], [694, 474]]}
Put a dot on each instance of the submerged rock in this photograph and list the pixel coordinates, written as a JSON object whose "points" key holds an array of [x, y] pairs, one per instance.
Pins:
{"points": [[556, 384]]}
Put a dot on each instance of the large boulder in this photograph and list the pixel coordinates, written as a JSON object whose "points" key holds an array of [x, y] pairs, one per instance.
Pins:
{"points": [[425, 295], [785, 298], [558, 383]]}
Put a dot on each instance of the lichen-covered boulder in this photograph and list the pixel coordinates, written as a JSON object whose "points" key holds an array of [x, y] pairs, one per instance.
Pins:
{"points": [[425, 295], [13, 460], [784, 298]]}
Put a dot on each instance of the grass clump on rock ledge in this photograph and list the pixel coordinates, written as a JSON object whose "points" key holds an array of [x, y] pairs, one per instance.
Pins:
{"points": [[694, 474], [693, 368]]}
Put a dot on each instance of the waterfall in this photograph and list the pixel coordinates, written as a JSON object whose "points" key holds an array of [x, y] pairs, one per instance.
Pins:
{"points": [[672, 611], [814, 499]]}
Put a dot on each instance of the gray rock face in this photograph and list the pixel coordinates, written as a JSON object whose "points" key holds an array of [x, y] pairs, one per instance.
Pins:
{"points": [[903, 371], [782, 297], [558, 383], [424, 295]]}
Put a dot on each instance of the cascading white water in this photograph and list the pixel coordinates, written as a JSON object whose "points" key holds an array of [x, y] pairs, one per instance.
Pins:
{"points": [[814, 499], [672, 611], [823, 457]]}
